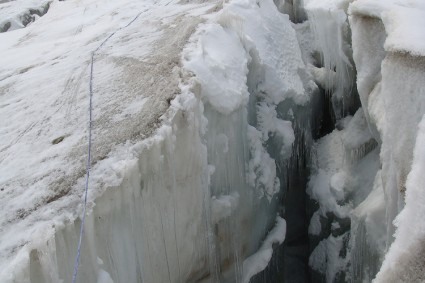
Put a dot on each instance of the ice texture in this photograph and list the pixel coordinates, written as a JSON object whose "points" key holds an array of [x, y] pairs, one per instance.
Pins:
{"points": [[343, 176], [403, 22], [260, 259], [387, 46], [328, 21], [395, 100], [404, 261], [184, 184]]}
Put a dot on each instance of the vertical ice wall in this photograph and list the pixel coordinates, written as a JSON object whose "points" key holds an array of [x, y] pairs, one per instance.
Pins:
{"points": [[330, 27], [269, 82], [393, 90], [149, 228], [198, 198], [389, 64]]}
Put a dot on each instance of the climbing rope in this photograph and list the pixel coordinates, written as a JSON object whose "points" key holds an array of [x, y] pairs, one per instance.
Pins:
{"points": [[88, 165]]}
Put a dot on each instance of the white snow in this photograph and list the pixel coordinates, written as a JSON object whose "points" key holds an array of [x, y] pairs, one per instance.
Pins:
{"points": [[270, 124], [222, 74], [343, 176], [403, 21]]}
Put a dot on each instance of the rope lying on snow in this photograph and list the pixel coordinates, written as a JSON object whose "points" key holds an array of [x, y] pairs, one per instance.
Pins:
{"points": [[88, 166]]}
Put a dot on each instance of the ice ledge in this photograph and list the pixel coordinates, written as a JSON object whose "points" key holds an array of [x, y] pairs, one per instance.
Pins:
{"points": [[403, 21]]}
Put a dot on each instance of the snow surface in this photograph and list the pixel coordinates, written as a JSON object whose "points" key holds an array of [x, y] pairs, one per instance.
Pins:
{"points": [[44, 91]]}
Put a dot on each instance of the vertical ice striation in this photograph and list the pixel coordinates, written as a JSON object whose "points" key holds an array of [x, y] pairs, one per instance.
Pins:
{"points": [[273, 124], [332, 33], [391, 68], [363, 165], [202, 200]]}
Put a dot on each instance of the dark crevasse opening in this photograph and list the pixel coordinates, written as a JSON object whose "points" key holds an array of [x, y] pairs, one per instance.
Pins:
{"points": [[311, 121], [290, 261]]}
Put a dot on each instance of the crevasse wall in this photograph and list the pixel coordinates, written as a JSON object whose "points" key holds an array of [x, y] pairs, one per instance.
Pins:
{"points": [[151, 227], [196, 199], [395, 98], [389, 66]]}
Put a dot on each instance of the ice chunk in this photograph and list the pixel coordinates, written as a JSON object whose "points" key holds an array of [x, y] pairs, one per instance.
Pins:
{"points": [[221, 72]]}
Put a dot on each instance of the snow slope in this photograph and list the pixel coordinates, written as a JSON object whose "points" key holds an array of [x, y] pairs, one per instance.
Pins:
{"points": [[44, 118]]}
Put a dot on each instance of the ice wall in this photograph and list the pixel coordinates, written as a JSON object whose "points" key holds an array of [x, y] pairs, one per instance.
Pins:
{"points": [[280, 94], [200, 200], [329, 24], [393, 90], [138, 230], [388, 57]]}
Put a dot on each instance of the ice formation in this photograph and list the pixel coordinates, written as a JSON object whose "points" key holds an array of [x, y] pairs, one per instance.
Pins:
{"points": [[236, 141], [179, 191], [388, 56]]}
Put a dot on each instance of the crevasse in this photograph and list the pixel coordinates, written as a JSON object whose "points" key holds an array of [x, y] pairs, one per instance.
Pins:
{"points": [[359, 179], [198, 199], [285, 157]]}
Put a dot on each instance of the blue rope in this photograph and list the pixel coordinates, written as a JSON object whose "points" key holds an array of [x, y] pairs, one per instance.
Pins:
{"points": [[88, 166]]}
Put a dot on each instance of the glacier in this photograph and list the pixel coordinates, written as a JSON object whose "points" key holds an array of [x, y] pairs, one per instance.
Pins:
{"points": [[233, 141]]}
